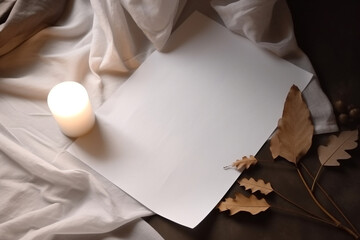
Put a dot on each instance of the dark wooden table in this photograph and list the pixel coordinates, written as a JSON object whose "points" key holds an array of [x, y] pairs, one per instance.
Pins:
{"points": [[329, 33]]}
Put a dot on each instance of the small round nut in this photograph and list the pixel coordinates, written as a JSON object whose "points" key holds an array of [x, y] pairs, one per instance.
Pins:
{"points": [[350, 106], [340, 106], [343, 119], [354, 113]]}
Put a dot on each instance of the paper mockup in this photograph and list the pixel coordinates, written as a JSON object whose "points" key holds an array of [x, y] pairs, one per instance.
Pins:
{"points": [[165, 135]]}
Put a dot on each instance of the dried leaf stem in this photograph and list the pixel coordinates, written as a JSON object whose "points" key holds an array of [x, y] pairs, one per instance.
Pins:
{"points": [[336, 222], [316, 177], [311, 216], [297, 205], [330, 199], [320, 168]]}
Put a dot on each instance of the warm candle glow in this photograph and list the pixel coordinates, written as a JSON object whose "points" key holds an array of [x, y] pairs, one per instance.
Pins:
{"points": [[70, 106]]}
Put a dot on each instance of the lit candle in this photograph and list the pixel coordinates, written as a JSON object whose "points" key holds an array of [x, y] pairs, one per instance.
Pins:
{"points": [[69, 103]]}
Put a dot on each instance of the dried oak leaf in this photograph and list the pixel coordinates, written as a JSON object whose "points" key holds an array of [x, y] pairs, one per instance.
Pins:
{"points": [[253, 185], [245, 162], [241, 203], [335, 149], [293, 136]]}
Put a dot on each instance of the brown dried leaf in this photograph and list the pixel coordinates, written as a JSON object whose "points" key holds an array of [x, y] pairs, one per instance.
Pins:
{"points": [[253, 185], [241, 203], [335, 149], [245, 162], [275, 145], [295, 129]]}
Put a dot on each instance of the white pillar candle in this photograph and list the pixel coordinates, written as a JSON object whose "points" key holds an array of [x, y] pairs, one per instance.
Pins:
{"points": [[69, 103]]}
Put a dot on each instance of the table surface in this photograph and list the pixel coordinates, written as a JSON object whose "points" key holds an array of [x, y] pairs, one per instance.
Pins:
{"points": [[329, 33]]}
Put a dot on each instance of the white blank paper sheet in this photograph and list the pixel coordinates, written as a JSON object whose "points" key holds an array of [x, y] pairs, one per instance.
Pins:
{"points": [[165, 135]]}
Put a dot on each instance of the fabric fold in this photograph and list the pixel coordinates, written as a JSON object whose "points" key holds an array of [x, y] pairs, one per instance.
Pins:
{"points": [[49, 200], [55, 195], [268, 24], [26, 18], [154, 17]]}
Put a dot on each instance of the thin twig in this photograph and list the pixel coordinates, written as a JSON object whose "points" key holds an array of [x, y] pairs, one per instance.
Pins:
{"points": [[316, 177], [305, 215], [295, 204], [336, 222], [330, 199]]}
